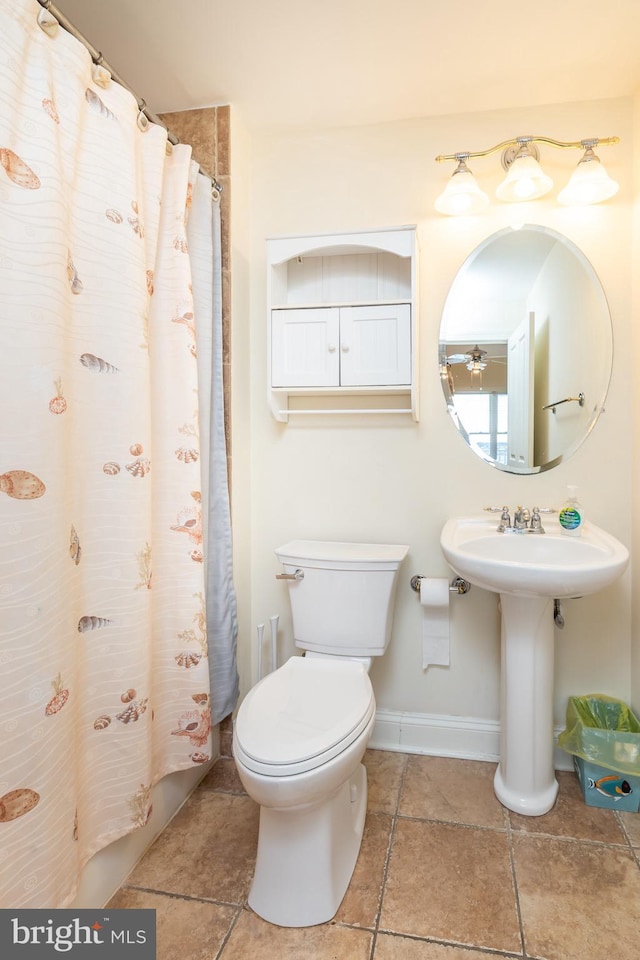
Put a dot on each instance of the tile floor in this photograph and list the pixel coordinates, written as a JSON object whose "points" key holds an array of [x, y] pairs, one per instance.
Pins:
{"points": [[444, 873]]}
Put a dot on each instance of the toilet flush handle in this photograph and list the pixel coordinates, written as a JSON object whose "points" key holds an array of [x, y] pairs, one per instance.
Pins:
{"points": [[297, 575]]}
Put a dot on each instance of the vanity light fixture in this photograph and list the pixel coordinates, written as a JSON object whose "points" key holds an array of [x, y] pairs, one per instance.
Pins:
{"points": [[525, 179], [462, 195], [590, 182]]}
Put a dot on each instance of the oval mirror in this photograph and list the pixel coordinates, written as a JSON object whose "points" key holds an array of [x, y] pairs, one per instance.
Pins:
{"points": [[526, 349]]}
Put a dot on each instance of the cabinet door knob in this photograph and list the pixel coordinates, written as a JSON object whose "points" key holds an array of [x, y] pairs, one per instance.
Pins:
{"points": [[345, 348], [331, 347]]}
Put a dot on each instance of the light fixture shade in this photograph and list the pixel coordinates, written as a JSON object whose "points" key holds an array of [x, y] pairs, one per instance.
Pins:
{"points": [[525, 180], [462, 195], [476, 377], [589, 183]]}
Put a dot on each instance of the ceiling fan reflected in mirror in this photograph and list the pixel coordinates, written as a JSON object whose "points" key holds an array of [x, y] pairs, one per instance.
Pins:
{"points": [[475, 360]]}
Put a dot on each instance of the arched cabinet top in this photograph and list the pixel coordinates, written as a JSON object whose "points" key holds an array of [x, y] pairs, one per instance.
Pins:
{"points": [[397, 240]]}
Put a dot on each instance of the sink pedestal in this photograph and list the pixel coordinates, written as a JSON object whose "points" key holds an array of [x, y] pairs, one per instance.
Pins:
{"points": [[525, 780], [543, 567]]}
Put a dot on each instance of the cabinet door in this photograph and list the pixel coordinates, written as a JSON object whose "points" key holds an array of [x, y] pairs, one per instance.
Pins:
{"points": [[375, 345], [305, 347]]}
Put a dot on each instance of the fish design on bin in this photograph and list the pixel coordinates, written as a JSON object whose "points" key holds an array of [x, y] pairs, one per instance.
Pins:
{"points": [[613, 787]]}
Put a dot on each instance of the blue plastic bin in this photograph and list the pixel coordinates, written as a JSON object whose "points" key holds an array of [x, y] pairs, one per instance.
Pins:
{"points": [[606, 788], [603, 735]]}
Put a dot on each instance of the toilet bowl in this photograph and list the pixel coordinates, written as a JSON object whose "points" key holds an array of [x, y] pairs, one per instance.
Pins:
{"points": [[301, 732], [298, 742]]}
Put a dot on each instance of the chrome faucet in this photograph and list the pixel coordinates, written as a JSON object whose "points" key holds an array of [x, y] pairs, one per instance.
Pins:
{"points": [[521, 518], [524, 521]]}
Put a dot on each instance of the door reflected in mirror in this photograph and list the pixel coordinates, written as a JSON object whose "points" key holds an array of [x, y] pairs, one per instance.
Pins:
{"points": [[525, 349]]}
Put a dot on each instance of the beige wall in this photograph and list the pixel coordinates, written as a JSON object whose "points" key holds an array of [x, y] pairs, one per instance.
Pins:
{"points": [[382, 480], [634, 395]]}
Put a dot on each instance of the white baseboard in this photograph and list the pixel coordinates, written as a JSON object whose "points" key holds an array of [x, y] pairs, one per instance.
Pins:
{"points": [[467, 738]]}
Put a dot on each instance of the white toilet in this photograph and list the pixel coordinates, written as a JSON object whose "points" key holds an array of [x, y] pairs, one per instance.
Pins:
{"points": [[301, 732]]}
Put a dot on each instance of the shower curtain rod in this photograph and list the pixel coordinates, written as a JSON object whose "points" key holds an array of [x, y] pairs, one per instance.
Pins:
{"points": [[99, 60]]}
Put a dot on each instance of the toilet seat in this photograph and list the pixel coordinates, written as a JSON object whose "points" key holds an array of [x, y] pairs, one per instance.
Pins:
{"points": [[302, 715]]}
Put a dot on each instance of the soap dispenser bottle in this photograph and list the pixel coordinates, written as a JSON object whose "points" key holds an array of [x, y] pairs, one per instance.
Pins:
{"points": [[571, 516]]}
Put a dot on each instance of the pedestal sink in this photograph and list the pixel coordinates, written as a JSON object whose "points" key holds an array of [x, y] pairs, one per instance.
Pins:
{"points": [[529, 570]]}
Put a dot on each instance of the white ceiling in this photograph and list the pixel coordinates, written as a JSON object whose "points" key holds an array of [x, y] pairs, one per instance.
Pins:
{"points": [[285, 63]]}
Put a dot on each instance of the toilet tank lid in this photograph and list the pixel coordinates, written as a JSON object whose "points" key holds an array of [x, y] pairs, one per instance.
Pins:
{"points": [[337, 551]]}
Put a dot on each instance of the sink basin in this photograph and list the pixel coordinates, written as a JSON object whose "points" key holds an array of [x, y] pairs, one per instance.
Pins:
{"points": [[532, 565]]}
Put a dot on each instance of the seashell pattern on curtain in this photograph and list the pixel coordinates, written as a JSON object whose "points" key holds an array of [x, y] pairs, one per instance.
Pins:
{"points": [[103, 639]]}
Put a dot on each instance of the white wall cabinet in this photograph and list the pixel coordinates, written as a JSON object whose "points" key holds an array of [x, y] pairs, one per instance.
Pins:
{"points": [[343, 323], [342, 346]]}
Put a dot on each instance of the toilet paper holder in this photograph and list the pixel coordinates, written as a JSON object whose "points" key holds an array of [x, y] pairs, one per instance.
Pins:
{"points": [[458, 584]]}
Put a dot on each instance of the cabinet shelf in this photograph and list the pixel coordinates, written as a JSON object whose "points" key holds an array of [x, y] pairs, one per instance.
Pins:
{"points": [[342, 312], [353, 411], [338, 303], [362, 391]]}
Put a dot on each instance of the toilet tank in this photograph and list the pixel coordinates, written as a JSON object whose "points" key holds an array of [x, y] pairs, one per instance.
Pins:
{"points": [[343, 605]]}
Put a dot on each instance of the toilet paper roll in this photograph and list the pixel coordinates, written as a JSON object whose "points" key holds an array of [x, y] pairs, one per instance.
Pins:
{"points": [[434, 598]]}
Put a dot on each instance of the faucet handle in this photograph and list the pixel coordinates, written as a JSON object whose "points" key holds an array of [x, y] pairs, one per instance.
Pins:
{"points": [[536, 521], [505, 520]]}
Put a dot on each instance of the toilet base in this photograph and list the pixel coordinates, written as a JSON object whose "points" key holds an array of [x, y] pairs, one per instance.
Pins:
{"points": [[306, 856]]}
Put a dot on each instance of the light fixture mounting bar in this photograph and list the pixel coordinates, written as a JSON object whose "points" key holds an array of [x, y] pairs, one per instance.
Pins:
{"points": [[577, 144]]}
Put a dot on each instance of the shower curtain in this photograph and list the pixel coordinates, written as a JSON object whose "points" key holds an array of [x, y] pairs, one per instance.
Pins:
{"points": [[204, 238], [108, 563]]}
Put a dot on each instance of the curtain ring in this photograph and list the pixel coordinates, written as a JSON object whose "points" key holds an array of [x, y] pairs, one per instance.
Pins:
{"points": [[46, 20], [142, 120], [100, 74]]}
